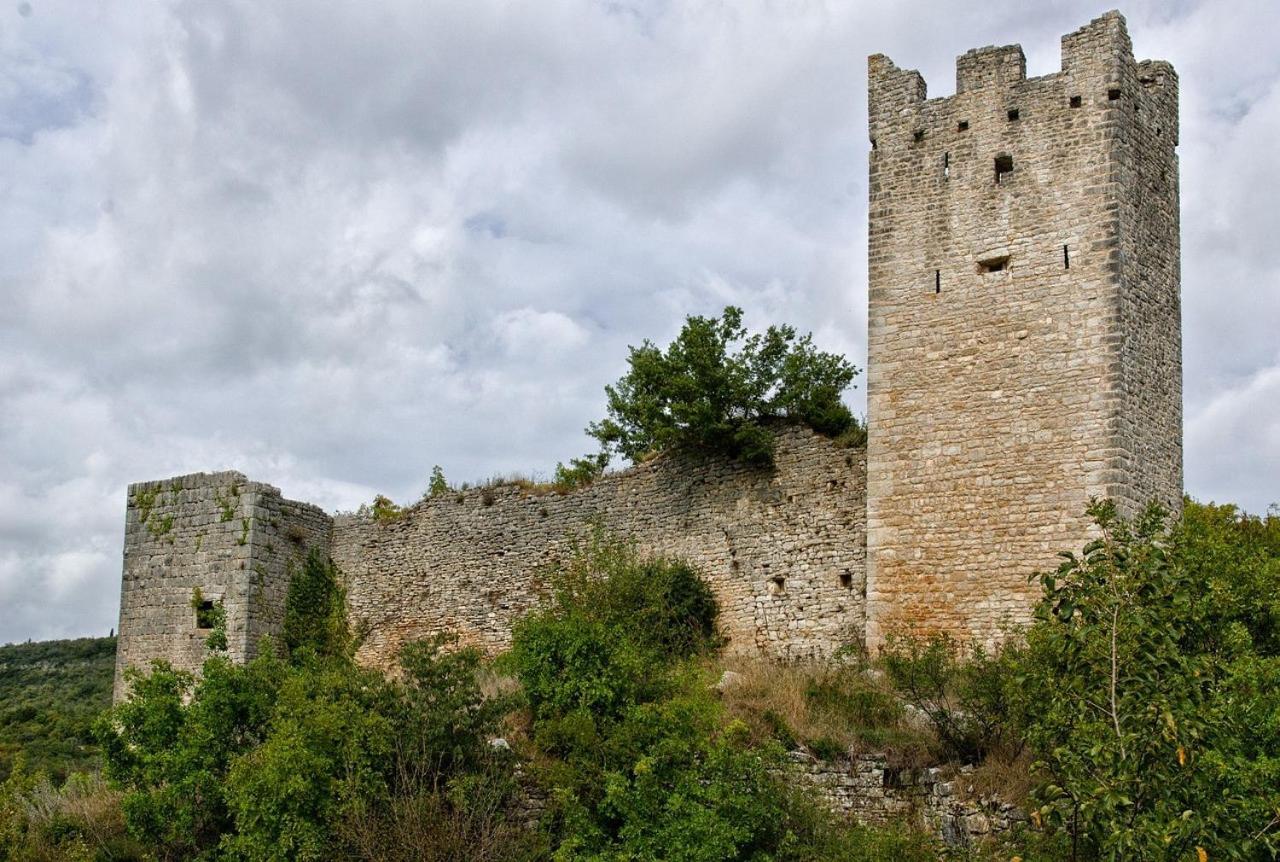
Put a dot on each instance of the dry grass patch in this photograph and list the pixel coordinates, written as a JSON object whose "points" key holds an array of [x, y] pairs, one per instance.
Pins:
{"points": [[831, 710]]}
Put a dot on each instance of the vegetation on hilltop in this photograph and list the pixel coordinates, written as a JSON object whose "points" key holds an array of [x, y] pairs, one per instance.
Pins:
{"points": [[50, 694], [1138, 718]]}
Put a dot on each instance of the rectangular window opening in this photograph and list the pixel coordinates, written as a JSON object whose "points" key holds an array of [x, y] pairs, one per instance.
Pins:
{"points": [[1066, 258], [1113, 94], [1076, 101], [962, 126], [946, 165], [1004, 165], [205, 616], [1013, 114], [846, 581], [777, 585], [994, 264]]}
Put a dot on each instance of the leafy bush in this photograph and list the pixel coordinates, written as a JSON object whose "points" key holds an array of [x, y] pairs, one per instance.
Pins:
{"points": [[637, 751], [315, 611], [703, 395], [297, 758], [1153, 690], [970, 700], [580, 472]]}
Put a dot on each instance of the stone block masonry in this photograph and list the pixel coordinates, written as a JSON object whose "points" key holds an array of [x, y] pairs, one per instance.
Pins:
{"points": [[1024, 346], [232, 539], [782, 548], [1024, 355]]}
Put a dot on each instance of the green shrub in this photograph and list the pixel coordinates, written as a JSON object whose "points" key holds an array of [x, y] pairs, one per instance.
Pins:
{"points": [[315, 611], [1153, 693], [580, 472], [970, 700], [701, 394]]}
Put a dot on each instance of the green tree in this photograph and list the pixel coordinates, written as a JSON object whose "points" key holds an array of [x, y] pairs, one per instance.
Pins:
{"points": [[1153, 714], [718, 389], [438, 484]]}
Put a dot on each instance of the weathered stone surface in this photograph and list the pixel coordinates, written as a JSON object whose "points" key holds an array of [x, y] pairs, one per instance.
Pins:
{"points": [[783, 549], [1024, 355], [1024, 342]]}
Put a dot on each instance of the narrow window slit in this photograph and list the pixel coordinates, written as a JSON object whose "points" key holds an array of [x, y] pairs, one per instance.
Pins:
{"points": [[937, 281], [946, 165], [1066, 258]]}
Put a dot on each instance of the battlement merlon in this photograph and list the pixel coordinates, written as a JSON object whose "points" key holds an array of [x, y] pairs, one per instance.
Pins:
{"points": [[1096, 58]]}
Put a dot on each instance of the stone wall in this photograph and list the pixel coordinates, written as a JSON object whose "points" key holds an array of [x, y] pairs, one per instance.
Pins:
{"points": [[868, 789], [232, 539], [783, 549], [1024, 352]]}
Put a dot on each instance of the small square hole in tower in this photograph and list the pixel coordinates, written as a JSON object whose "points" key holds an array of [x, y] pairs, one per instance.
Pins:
{"points": [[1113, 94], [962, 126], [777, 585], [994, 264], [1076, 101], [1004, 165], [205, 615], [918, 135], [1013, 114], [846, 580]]}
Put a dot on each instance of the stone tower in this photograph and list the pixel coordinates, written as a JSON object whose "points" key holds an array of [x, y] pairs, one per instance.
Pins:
{"points": [[1024, 326]]}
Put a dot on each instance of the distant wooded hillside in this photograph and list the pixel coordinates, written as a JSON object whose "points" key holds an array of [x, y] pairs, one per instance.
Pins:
{"points": [[50, 694]]}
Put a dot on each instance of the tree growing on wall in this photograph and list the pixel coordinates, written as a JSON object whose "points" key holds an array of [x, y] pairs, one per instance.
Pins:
{"points": [[720, 390]]}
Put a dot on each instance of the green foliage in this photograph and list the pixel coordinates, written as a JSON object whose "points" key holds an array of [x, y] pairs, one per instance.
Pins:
{"points": [[50, 695], [384, 510], [637, 751], [212, 616], [970, 699], [299, 759], [145, 499], [610, 623], [580, 472], [438, 485], [79, 820], [315, 611], [1152, 687], [702, 394]]}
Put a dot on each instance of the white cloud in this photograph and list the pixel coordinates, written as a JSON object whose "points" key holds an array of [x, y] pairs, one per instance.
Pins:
{"points": [[334, 250]]}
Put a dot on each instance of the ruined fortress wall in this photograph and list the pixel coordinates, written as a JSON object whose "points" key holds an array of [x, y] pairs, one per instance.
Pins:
{"points": [[231, 538], [1022, 323], [783, 549]]}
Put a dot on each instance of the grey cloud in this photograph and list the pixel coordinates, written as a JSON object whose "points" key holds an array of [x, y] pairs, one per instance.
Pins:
{"points": [[332, 250]]}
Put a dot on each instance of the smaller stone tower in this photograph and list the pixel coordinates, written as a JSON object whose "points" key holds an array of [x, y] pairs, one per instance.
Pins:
{"points": [[1024, 326], [233, 540]]}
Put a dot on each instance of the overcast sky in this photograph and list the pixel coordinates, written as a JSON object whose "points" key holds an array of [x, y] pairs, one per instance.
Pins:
{"points": [[332, 250]]}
